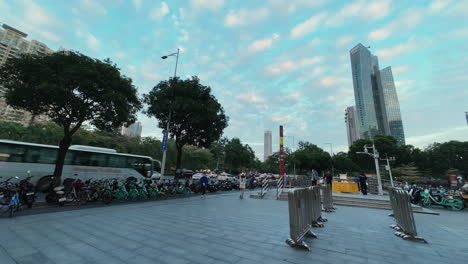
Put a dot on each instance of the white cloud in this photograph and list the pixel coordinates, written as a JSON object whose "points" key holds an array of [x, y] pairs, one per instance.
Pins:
{"points": [[245, 17], [159, 12], [317, 70], [401, 84], [93, 7], [366, 10], [250, 97], [137, 4], [185, 35], [408, 20], [290, 65], [307, 26], [402, 48], [92, 42], [263, 44], [283, 7], [120, 54], [331, 80], [447, 134], [458, 9], [293, 95], [279, 118], [344, 41], [400, 69], [438, 5], [207, 4]]}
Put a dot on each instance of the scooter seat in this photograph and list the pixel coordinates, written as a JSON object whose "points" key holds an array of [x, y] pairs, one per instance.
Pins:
{"points": [[59, 188], [60, 192]]}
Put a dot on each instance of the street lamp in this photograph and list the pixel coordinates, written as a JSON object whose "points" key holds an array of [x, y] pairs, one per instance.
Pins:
{"points": [[331, 157], [375, 155], [387, 167], [166, 132], [294, 154]]}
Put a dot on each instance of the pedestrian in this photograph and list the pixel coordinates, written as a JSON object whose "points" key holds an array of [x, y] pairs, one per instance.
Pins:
{"points": [[315, 177], [203, 185], [242, 184], [328, 178], [363, 183]]}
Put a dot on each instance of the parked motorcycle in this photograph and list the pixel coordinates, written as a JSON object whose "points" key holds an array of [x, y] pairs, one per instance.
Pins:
{"points": [[26, 192], [440, 198], [55, 194]]}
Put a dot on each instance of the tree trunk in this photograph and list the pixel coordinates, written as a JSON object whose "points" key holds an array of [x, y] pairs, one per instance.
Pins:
{"points": [[63, 148], [179, 160]]}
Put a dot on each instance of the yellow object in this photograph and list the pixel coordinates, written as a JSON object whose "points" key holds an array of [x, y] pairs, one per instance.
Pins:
{"points": [[346, 187]]}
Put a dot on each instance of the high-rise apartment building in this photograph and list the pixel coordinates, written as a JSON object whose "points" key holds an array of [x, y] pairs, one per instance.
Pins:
{"points": [[352, 129], [12, 43], [134, 130], [267, 147], [377, 106], [392, 106]]}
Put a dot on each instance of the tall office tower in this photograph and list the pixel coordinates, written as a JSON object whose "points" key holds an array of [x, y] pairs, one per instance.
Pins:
{"points": [[392, 106], [134, 130], [466, 116], [267, 147], [13, 43], [351, 124], [362, 62]]}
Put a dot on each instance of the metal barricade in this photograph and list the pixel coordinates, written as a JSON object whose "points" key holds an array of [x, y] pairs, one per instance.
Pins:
{"points": [[279, 187], [327, 198], [316, 207], [265, 187], [299, 217], [401, 206]]}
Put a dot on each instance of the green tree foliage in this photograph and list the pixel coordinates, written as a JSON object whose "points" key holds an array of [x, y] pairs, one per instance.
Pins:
{"points": [[448, 155], [238, 156], [197, 158], [71, 89], [343, 164], [309, 156], [197, 117]]}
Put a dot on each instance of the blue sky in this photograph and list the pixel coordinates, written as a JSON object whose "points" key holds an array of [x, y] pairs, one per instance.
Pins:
{"points": [[272, 62]]}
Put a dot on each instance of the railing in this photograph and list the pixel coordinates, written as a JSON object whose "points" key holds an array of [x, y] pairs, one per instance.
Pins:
{"points": [[304, 213], [327, 198], [265, 187], [279, 186], [401, 206]]}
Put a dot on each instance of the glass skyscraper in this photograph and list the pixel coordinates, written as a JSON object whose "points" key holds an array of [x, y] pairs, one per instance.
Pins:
{"points": [[377, 107], [392, 105]]}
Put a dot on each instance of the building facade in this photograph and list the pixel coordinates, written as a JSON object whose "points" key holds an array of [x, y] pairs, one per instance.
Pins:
{"points": [[133, 130], [267, 145], [377, 106], [392, 106], [352, 129], [13, 43]]}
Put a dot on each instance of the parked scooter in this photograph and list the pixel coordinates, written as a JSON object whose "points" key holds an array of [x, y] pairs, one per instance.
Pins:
{"points": [[415, 194], [56, 194], [26, 192], [441, 198]]}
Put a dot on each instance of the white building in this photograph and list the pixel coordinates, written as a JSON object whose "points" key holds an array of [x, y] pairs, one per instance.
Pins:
{"points": [[133, 130], [267, 148]]}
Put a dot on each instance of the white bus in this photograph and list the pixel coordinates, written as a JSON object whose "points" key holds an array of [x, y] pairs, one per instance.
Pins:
{"points": [[81, 162]]}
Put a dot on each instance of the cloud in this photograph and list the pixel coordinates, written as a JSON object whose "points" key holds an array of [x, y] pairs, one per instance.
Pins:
{"points": [[207, 4], [307, 26], [92, 42], [120, 54], [279, 118], [438, 5], [408, 20], [159, 12], [331, 80], [400, 69], [93, 7], [366, 10], [402, 48], [185, 35], [283, 7], [344, 41], [447, 134], [250, 98], [245, 17], [290, 65], [400, 84], [263, 44], [293, 96], [137, 4], [458, 9]]}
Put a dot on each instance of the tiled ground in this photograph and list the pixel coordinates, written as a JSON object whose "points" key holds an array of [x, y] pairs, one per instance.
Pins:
{"points": [[223, 229]]}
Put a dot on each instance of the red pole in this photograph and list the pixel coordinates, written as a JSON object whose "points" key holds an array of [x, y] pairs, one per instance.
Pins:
{"points": [[281, 152]]}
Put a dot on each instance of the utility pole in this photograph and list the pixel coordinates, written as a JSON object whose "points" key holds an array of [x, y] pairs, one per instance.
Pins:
{"points": [[387, 167], [375, 155]]}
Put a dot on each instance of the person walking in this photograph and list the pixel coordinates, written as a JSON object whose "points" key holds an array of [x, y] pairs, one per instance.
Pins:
{"points": [[242, 185], [203, 185], [363, 183], [315, 177], [329, 178]]}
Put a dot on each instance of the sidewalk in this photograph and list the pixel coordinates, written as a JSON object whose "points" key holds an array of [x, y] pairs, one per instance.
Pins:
{"points": [[223, 229]]}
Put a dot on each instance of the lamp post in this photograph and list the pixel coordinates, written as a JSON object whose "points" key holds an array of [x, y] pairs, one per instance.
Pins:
{"points": [[166, 132], [331, 157], [375, 155], [387, 167], [294, 154]]}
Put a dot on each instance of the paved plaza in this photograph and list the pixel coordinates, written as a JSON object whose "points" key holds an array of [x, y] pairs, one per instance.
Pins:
{"points": [[223, 229]]}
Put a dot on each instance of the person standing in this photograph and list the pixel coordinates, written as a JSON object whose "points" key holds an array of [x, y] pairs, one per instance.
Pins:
{"points": [[363, 183], [328, 178], [242, 185], [315, 177], [203, 185]]}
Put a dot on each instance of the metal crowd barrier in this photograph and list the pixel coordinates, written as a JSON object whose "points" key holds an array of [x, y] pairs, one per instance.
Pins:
{"points": [[304, 213], [265, 187], [279, 187], [401, 206], [327, 198]]}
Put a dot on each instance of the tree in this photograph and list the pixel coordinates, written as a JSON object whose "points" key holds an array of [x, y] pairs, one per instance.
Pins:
{"points": [[309, 156], [364, 161], [238, 156], [71, 89], [197, 117], [344, 164]]}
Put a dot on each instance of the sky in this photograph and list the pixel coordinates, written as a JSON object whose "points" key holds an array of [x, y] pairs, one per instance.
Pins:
{"points": [[275, 62]]}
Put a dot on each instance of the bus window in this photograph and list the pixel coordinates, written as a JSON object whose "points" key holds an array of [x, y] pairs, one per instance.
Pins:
{"points": [[82, 158], [141, 165], [40, 155], [98, 160], [117, 161], [12, 153]]}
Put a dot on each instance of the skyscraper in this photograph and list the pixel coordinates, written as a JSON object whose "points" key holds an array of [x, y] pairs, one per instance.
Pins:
{"points": [[361, 66], [13, 43], [392, 105], [351, 124], [377, 106], [267, 148], [134, 130]]}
